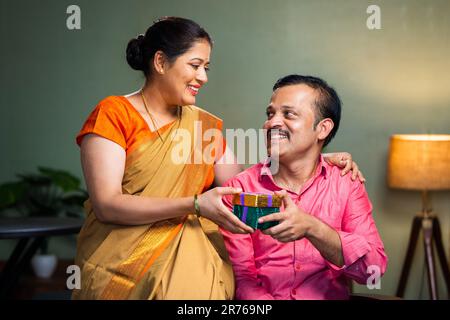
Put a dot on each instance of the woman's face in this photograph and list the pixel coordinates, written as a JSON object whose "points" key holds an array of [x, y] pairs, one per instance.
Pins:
{"points": [[183, 78]]}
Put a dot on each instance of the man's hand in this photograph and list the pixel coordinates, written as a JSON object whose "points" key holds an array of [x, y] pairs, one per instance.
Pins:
{"points": [[294, 223]]}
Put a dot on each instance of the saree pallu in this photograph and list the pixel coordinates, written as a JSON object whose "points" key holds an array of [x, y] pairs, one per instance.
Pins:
{"points": [[181, 258]]}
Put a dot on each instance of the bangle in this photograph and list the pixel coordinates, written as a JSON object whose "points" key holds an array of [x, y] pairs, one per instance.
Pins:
{"points": [[196, 206]]}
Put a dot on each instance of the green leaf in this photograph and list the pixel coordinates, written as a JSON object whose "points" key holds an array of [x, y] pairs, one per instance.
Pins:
{"points": [[61, 178], [75, 199], [71, 214], [34, 179], [11, 193], [49, 192]]}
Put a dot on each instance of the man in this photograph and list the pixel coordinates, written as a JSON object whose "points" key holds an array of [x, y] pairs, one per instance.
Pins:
{"points": [[326, 233]]}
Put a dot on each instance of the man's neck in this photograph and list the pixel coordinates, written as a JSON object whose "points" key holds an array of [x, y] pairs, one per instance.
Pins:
{"points": [[293, 174]]}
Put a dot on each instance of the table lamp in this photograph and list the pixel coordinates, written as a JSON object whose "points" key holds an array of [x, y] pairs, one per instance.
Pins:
{"points": [[421, 162]]}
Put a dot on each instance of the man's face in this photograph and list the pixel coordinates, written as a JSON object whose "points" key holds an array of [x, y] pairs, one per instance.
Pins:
{"points": [[291, 111]]}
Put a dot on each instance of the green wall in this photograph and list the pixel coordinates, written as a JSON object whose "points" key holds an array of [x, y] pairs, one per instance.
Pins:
{"points": [[393, 80]]}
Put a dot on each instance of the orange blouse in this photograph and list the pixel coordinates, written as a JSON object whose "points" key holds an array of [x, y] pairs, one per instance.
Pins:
{"points": [[116, 119]]}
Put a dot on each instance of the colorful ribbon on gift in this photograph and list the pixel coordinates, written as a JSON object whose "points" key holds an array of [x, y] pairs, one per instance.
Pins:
{"points": [[260, 200], [245, 209]]}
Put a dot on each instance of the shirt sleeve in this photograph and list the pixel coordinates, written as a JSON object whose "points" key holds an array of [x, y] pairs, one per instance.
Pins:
{"points": [[362, 247], [107, 120], [240, 250]]}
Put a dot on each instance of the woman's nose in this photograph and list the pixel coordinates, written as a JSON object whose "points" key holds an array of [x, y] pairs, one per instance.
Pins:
{"points": [[202, 77]]}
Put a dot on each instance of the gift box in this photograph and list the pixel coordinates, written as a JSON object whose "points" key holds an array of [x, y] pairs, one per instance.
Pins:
{"points": [[249, 207]]}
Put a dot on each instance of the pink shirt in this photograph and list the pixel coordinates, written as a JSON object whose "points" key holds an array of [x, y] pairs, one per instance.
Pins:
{"points": [[267, 269]]}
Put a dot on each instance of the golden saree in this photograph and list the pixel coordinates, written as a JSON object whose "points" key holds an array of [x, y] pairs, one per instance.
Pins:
{"points": [[182, 258]]}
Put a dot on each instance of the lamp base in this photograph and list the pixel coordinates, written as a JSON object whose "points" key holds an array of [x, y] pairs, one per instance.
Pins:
{"points": [[431, 228]]}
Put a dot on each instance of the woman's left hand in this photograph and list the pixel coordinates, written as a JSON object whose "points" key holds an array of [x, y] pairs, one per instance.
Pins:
{"points": [[344, 160]]}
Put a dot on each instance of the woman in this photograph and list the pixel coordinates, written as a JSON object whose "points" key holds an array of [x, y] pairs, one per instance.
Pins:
{"points": [[140, 240]]}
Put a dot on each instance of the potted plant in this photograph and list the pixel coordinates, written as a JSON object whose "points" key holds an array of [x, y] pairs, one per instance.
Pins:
{"points": [[49, 192]]}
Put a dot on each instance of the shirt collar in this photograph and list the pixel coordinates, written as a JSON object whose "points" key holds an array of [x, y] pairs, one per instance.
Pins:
{"points": [[265, 172]]}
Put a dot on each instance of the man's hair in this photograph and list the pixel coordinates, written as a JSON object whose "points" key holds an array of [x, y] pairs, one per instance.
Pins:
{"points": [[327, 102]]}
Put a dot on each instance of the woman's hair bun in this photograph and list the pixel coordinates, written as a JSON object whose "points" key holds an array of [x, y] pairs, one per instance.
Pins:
{"points": [[135, 56], [173, 36]]}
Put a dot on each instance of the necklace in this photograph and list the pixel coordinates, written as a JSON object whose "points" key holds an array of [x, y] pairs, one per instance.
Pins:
{"points": [[292, 186], [286, 186], [151, 117]]}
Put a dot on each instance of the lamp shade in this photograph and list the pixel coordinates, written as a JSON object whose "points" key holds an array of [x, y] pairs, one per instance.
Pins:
{"points": [[419, 161]]}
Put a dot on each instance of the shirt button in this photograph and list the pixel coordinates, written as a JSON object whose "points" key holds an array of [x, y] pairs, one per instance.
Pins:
{"points": [[297, 266], [294, 292]]}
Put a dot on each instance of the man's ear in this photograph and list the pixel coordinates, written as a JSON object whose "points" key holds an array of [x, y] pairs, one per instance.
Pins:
{"points": [[324, 128], [159, 62]]}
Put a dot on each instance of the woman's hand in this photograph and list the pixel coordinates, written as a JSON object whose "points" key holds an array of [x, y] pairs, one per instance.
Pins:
{"points": [[344, 160], [212, 208]]}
